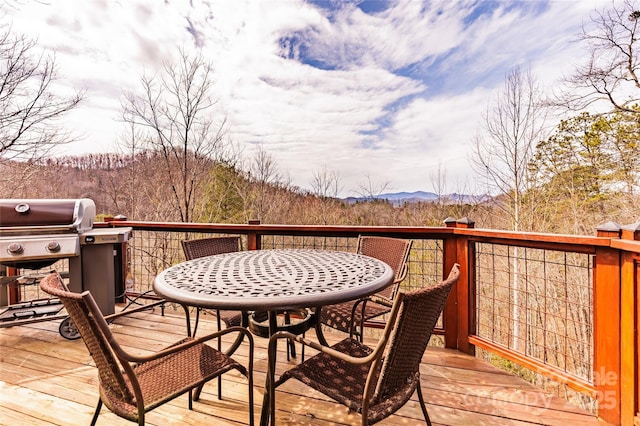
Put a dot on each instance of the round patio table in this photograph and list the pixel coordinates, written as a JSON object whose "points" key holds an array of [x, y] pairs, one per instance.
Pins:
{"points": [[270, 280], [273, 280]]}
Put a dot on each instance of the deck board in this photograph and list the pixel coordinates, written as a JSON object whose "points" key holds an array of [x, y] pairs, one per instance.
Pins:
{"points": [[48, 380]]}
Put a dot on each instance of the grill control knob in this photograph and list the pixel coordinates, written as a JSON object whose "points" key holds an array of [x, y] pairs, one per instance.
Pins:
{"points": [[23, 208], [15, 248], [53, 246]]}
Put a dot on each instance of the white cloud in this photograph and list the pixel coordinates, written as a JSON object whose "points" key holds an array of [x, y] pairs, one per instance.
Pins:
{"points": [[403, 89], [392, 39]]}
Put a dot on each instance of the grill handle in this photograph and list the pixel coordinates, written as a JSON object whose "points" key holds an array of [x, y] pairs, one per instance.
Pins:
{"points": [[32, 230]]}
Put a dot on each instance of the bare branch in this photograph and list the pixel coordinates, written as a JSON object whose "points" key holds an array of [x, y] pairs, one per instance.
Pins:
{"points": [[29, 107], [611, 73]]}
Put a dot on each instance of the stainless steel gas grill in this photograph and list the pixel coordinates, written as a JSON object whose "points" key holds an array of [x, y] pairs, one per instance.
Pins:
{"points": [[36, 233]]}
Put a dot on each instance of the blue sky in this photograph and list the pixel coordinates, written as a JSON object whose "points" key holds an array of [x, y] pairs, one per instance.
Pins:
{"points": [[376, 91]]}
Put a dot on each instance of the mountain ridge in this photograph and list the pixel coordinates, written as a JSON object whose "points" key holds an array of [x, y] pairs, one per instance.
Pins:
{"points": [[403, 197]]}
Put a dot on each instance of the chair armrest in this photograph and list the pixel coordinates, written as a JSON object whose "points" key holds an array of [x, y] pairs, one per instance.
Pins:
{"points": [[380, 300], [322, 348], [374, 298], [403, 274]]}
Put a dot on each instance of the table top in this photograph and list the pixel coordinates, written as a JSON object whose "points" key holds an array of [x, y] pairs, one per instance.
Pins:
{"points": [[273, 279]]}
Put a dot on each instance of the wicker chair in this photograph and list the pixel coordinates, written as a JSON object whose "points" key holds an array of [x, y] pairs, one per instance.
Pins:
{"points": [[201, 247], [132, 385], [375, 382], [345, 316], [208, 247]]}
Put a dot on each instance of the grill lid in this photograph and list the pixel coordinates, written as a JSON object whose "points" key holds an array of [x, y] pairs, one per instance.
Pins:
{"points": [[38, 215]]}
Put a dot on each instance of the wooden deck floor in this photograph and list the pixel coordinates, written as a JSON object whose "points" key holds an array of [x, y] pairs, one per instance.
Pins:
{"points": [[46, 379]]}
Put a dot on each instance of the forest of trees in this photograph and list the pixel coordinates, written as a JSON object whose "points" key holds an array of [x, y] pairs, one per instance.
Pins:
{"points": [[576, 200], [177, 164]]}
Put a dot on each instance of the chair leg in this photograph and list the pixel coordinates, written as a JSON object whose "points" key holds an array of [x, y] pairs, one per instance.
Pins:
{"points": [[353, 327], [196, 392], [318, 327], [251, 398], [96, 413], [219, 349], [291, 348], [271, 383], [187, 317], [195, 325], [423, 406], [364, 306]]}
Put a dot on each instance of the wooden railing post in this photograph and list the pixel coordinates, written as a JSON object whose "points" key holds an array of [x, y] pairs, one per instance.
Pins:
{"points": [[13, 290], [606, 327], [254, 239], [629, 324], [465, 288]]}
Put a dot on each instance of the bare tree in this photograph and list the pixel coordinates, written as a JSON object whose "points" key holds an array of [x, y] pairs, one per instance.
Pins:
{"points": [[611, 73], [326, 183], [130, 183], [512, 127], [370, 212], [326, 186], [29, 104], [371, 189], [438, 180], [174, 117], [263, 178]]}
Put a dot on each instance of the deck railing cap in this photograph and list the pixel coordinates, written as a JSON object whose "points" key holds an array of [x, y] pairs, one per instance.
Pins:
{"points": [[450, 221], [465, 220], [631, 232], [609, 227], [632, 227]]}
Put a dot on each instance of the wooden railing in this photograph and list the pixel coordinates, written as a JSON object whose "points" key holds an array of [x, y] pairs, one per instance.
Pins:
{"points": [[563, 306]]}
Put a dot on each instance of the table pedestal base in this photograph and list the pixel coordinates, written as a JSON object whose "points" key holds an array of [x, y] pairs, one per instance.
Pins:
{"points": [[295, 321]]}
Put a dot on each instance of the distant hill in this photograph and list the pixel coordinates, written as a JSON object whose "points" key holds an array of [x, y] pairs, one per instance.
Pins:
{"points": [[399, 198]]}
